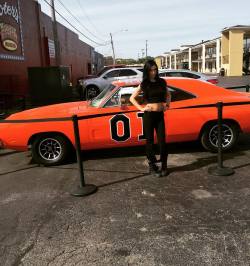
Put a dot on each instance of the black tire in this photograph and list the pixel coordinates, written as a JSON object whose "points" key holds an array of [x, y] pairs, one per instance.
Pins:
{"points": [[91, 92], [50, 149], [209, 136]]}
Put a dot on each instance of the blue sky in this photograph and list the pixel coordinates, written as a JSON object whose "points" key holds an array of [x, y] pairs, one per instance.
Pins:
{"points": [[166, 24]]}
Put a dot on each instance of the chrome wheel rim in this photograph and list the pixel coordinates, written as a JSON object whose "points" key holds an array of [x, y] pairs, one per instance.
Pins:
{"points": [[227, 135], [50, 149]]}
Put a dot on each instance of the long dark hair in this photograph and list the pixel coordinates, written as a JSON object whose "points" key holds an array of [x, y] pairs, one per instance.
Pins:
{"points": [[147, 66]]}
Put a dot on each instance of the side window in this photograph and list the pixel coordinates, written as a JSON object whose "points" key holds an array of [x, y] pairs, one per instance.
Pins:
{"points": [[112, 74], [125, 99], [127, 72], [190, 75], [174, 74], [169, 74], [113, 101], [179, 95]]}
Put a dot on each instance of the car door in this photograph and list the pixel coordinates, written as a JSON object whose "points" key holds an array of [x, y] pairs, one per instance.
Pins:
{"points": [[120, 127], [182, 124]]}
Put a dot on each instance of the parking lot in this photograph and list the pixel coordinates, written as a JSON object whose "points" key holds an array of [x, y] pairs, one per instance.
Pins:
{"points": [[186, 218]]}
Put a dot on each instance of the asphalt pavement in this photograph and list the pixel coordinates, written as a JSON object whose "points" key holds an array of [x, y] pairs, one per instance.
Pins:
{"points": [[186, 218]]}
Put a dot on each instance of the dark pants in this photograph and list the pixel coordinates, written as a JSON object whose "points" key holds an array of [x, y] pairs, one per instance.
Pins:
{"points": [[151, 121]]}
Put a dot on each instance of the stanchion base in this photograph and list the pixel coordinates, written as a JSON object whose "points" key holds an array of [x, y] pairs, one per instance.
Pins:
{"points": [[84, 191], [220, 171]]}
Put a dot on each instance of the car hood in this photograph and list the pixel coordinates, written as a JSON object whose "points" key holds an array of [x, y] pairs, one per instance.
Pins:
{"points": [[55, 111], [91, 80]]}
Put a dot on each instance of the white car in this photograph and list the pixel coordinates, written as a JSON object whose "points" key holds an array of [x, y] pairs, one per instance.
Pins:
{"points": [[187, 74], [93, 86]]}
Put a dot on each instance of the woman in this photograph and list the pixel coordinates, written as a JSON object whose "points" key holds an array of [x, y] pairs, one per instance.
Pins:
{"points": [[157, 97]]}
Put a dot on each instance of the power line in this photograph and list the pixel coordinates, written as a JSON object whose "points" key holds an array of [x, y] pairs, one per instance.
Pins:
{"points": [[73, 25], [90, 21], [79, 21]]}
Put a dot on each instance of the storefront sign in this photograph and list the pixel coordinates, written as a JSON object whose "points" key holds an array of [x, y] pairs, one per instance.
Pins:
{"points": [[11, 39], [51, 45]]}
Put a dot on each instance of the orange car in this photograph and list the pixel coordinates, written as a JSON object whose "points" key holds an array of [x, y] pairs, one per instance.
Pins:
{"points": [[190, 117]]}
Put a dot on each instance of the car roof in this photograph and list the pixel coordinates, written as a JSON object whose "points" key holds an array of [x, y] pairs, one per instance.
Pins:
{"points": [[127, 90], [180, 70], [194, 86], [123, 83], [186, 71], [122, 68], [199, 87]]}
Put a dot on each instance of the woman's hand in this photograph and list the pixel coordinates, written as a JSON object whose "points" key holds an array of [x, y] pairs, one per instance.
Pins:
{"points": [[165, 107]]}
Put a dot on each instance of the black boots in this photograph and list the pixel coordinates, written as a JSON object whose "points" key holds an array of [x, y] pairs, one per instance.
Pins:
{"points": [[153, 168], [164, 169]]}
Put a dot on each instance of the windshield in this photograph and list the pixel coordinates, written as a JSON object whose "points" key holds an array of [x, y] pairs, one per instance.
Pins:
{"points": [[97, 100]]}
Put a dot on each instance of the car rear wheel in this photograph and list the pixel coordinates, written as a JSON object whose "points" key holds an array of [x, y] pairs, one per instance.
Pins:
{"points": [[91, 92], [50, 150], [209, 137]]}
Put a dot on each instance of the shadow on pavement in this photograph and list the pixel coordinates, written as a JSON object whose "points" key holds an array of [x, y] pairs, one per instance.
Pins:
{"points": [[5, 153], [18, 170]]}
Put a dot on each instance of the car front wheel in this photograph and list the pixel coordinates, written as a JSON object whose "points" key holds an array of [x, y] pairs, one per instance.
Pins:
{"points": [[91, 92], [209, 137], [50, 150]]}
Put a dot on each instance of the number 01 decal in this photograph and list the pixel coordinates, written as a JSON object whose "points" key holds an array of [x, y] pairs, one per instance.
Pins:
{"points": [[121, 118], [114, 127]]}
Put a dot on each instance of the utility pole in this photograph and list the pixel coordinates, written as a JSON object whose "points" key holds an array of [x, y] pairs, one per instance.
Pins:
{"points": [[142, 52], [146, 49], [55, 34], [113, 49]]}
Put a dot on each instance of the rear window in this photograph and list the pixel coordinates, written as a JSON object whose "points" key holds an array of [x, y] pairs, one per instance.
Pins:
{"points": [[190, 75], [178, 94]]}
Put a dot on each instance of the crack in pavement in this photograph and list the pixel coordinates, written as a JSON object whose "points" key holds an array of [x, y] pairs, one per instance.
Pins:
{"points": [[45, 218]]}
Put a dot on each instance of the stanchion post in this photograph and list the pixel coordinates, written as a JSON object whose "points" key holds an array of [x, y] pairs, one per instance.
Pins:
{"points": [[220, 155], [220, 170], [83, 189], [247, 88]]}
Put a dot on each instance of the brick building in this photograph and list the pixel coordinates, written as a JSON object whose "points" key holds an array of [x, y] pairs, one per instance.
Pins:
{"points": [[26, 40]]}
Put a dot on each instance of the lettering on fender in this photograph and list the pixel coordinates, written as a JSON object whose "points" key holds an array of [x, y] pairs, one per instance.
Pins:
{"points": [[114, 127], [126, 127], [142, 136]]}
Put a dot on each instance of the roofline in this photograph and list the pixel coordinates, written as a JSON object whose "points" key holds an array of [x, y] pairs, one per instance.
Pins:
{"points": [[237, 27], [176, 51]]}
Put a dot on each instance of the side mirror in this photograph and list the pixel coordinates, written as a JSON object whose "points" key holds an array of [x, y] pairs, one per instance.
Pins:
{"points": [[105, 77]]}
